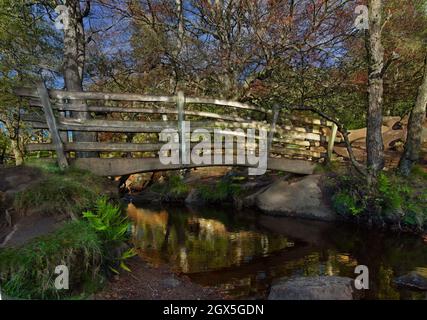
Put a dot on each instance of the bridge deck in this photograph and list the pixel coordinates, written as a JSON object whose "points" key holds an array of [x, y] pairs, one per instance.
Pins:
{"points": [[122, 166]]}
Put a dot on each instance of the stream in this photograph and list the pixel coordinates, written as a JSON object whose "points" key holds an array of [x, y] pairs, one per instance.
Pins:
{"points": [[243, 253]]}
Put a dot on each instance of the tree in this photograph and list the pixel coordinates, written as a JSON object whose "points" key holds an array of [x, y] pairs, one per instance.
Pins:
{"points": [[74, 61], [374, 139], [412, 149], [27, 47]]}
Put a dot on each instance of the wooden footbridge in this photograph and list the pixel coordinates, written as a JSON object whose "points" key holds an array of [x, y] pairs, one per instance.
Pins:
{"points": [[122, 121]]}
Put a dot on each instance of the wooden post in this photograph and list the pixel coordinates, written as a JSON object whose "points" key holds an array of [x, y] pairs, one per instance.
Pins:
{"points": [[276, 112], [180, 104], [331, 141], [51, 122]]}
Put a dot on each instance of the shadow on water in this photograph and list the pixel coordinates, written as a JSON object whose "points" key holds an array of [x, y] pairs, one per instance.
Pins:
{"points": [[243, 253]]}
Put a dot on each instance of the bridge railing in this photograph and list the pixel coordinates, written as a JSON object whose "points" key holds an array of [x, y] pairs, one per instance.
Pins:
{"points": [[290, 136]]}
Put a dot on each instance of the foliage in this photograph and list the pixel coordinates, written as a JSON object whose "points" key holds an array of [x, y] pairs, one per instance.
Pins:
{"points": [[396, 200], [108, 221], [88, 247], [112, 228], [28, 272], [29, 47], [174, 187], [346, 203], [60, 192], [177, 187]]}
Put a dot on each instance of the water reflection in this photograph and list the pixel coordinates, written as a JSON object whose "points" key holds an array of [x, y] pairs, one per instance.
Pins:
{"points": [[194, 243], [243, 253]]}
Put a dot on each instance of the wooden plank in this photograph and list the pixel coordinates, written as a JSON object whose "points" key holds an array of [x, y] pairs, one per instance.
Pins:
{"points": [[59, 94], [100, 146], [97, 146], [123, 126], [40, 147], [26, 92], [309, 120], [132, 147], [202, 114], [331, 141], [292, 151], [180, 106], [87, 95], [122, 166], [226, 103], [319, 123], [276, 112], [51, 122]]}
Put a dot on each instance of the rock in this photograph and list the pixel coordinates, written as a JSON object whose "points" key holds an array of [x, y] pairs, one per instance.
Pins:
{"points": [[302, 198], [146, 196], [390, 121], [171, 282], [313, 288], [251, 200], [194, 198], [412, 280]]}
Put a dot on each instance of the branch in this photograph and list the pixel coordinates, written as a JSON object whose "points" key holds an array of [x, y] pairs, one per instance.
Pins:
{"points": [[356, 164], [395, 56]]}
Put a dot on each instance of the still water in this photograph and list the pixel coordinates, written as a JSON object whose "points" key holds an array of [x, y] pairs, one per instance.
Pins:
{"points": [[243, 253]]}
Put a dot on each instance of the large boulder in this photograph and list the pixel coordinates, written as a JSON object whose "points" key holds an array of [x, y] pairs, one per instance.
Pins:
{"points": [[301, 198], [413, 280], [313, 288]]}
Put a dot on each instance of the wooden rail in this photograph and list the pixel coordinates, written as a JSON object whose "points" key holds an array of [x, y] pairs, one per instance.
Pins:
{"points": [[290, 136]]}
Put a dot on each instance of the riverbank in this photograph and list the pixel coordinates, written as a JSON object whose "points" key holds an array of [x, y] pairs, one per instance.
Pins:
{"points": [[275, 193], [60, 215], [333, 193], [146, 282]]}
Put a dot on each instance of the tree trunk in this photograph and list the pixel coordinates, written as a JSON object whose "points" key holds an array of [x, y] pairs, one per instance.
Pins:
{"points": [[411, 153], [74, 60], [374, 139], [19, 157]]}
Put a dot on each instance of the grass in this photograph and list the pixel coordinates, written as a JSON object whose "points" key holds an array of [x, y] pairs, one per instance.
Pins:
{"points": [[28, 272], [59, 192]]}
